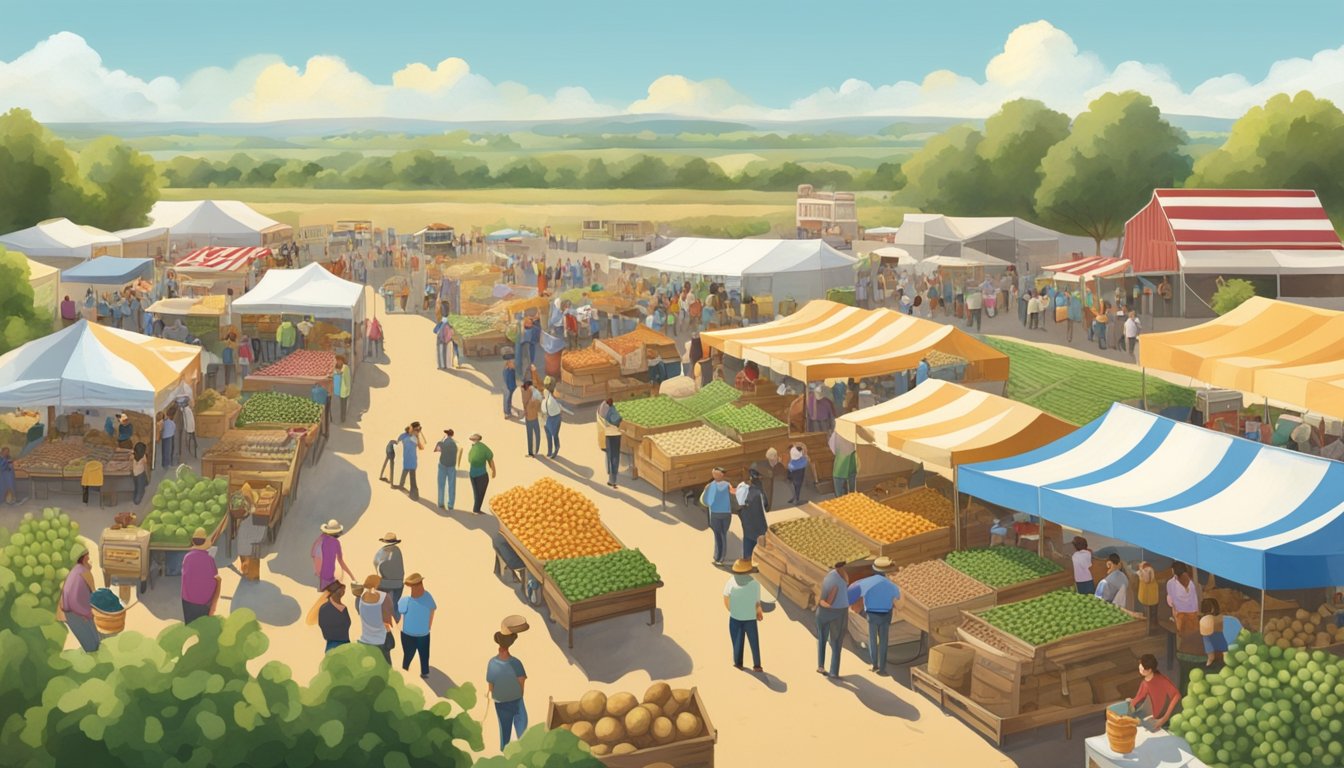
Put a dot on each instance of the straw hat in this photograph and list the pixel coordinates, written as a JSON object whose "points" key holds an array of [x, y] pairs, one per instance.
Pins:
{"points": [[743, 567], [413, 579], [200, 534], [390, 538], [513, 624], [883, 565], [332, 527]]}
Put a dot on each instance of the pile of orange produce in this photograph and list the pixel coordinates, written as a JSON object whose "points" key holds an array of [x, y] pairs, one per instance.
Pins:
{"points": [[581, 359], [629, 342], [553, 521], [927, 503], [877, 521]]}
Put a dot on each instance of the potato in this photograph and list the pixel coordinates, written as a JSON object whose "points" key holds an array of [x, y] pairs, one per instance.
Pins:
{"points": [[1301, 614], [565, 727], [570, 712], [1322, 640], [643, 742], [623, 748], [609, 730], [654, 710], [583, 730], [658, 693], [688, 725], [618, 704], [593, 704], [673, 706], [600, 750], [662, 730], [637, 721]]}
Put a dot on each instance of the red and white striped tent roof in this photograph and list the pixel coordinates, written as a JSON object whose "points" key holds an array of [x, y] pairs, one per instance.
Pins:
{"points": [[1178, 221], [1087, 268], [223, 259]]}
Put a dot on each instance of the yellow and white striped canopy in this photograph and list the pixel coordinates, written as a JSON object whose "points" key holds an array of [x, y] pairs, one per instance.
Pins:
{"points": [[826, 340], [946, 424], [93, 366]]}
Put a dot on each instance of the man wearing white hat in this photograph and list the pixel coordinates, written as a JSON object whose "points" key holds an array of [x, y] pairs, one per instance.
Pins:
{"points": [[879, 594], [326, 553]]}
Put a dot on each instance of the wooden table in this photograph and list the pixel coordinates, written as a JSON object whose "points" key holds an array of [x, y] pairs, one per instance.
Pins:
{"points": [[1152, 749]]}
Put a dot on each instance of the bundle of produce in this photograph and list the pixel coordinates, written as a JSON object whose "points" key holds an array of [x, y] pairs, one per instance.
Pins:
{"points": [[278, 408], [934, 584], [632, 341], [657, 411], [582, 359], [927, 503], [468, 326], [693, 441], [621, 724], [820, 540], [580, 578], [1304, 629], [1002, 566], [553, 522], [1054, 615], [106, 601], [41, 553], [1267, 707], [876, 521], [939, 359], [1246, 609], [207, 400], [713, 395], [183, 503], [305, 363]]}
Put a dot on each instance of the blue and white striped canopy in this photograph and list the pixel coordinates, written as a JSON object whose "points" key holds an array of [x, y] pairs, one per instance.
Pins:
{"points": [[1261, 516]]}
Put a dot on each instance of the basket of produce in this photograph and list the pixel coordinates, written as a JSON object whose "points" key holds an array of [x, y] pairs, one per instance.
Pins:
{"points": [[667, 726], [684, 447], [1014, 573], [902, 536], [711, 396], [109, 615], [266, 409], [184, 503], [646, 416]]}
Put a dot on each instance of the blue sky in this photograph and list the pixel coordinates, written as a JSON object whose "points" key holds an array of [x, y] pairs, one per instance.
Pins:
{"points": [[771, 53]]}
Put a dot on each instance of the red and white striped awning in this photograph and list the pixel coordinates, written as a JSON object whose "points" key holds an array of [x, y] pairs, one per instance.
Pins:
{"points": [[1241, 219], [222, 259], [1088, 268]]}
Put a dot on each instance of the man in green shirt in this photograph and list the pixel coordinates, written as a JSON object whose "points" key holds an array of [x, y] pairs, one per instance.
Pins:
{"points": [[845, 469], [479, 458], [286, 335]]}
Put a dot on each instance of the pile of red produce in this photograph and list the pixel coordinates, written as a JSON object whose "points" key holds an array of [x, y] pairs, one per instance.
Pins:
{"points": [[303, 363]]}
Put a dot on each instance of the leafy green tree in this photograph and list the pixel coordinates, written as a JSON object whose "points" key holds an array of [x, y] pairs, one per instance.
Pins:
{"points": [[185, 171], [125, 181], [20, 321], [699, 173], [1015, 141], [297, 173], [522, 174], [948, 174], [1231, 294], [596, 175], [371, 173], [422, 169], [888, 176], [1292, 142], [1105, 171], [38, 176], [647, 172]]}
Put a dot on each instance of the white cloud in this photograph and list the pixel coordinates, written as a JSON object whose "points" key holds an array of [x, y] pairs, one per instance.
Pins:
{"points": [[63, 79]]}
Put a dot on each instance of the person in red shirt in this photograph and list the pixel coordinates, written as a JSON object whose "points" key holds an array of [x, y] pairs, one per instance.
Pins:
{"points": [[571, 329], [1158, 690]]}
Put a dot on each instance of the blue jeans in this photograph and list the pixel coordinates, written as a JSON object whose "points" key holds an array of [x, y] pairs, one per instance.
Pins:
{"points": [[830, 631], [512, 720], [739, 631], [533, 436], [442, 352], [508, 401], [165, 451], [410, 646], [613, 457], [879, 630], [448, 476], [718, 524], [335, 644], [552, 436], [84, 631], [527, 351], [844, 485]]}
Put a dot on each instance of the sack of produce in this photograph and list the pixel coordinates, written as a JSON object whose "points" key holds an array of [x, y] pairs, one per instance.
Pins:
{"points": [[951, 663]]}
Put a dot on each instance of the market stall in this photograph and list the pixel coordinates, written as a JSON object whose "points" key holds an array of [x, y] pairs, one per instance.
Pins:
{"points": [[144, 242], [216, 269], [944, 425], [260, 458], [207, 319], [197, 223], [314, 292], [61, 243], [799, 269], [825, 341], [107, 276]]}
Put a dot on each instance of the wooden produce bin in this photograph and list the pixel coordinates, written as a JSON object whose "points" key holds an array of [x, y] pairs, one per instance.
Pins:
{"points": [[600, 608], [650, 450], [1082, 645], [221, 461], [801, 578], [633, 434], [1024, 590], [159, 552], [688, 476], [912, 549], [489, 344], [695, 752], [941, 622], [754, 443], [622, 389], [216, 421]]}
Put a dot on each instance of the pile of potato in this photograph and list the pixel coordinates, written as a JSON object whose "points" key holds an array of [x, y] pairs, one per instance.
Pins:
{"points": [[927, 503], [877, 521], [1246, 609], [934, 584], [1306, 629], [621, 724], [821, 541], [693, 441]]}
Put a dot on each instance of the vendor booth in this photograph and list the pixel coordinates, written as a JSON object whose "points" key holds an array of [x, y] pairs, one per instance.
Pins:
{"points": [[781, 269], [337, 305], [216, 269], [198, 223], [145, 243], [107, 276], [208, 320], [46, 284], [62, 243], [825, 341]]}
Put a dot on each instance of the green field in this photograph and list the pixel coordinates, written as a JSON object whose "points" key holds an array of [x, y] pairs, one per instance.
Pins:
{"points": [[1078, 391]]}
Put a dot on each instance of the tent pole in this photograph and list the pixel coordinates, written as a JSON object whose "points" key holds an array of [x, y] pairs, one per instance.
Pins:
{"points": [[1040, 536], [1143, 387], [1262, 609], [956, 508]]}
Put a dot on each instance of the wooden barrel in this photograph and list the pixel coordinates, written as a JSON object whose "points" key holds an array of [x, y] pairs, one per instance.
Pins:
{"points": [[109, 623], [1121, 730]]}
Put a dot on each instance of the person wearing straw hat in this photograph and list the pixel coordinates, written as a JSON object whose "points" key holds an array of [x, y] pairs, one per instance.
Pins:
{"points": [[505, 679], [326, 553], [200, 579], [742, 599], [417, 609], [76, 603], [391, 569], [878, 595]]}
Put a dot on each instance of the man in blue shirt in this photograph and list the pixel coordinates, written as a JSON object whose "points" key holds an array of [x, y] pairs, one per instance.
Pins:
{"points": [[417, 611], [410, 461], [831, 619], [505, 679], [510, 384], [717, 498], [879, 594], [922, 372], [319, 396]]}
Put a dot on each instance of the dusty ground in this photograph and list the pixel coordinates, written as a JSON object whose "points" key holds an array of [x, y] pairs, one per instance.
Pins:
{"points": [[862, 717]]}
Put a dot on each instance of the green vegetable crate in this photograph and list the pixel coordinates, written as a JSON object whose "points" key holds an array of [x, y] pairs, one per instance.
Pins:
{"points": [[1067, 649], [732, 419]]}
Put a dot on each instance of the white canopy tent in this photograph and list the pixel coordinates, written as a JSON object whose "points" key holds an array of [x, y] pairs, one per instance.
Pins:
{"points": [[61, 243], [216, 222], [144, 242], [898, 256], [803, 269], [1006, 237], [311, 290]]}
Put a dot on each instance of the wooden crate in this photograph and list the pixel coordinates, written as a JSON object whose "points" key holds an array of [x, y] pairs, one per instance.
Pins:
{"points": [[692, 476], [773, 404], [1073, 647], [622, 389], [214, 422], [484, 345], [912, 549], [1024, 590], [650, 450], [696, 752], [588, 376], [209, 542], [637, 432], [941, 622], [994, 727], [802, 578], [764, 437]]}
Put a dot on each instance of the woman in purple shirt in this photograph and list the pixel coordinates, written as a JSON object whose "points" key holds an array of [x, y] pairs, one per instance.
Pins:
{"points": [[326, 553], [76, 594]]}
